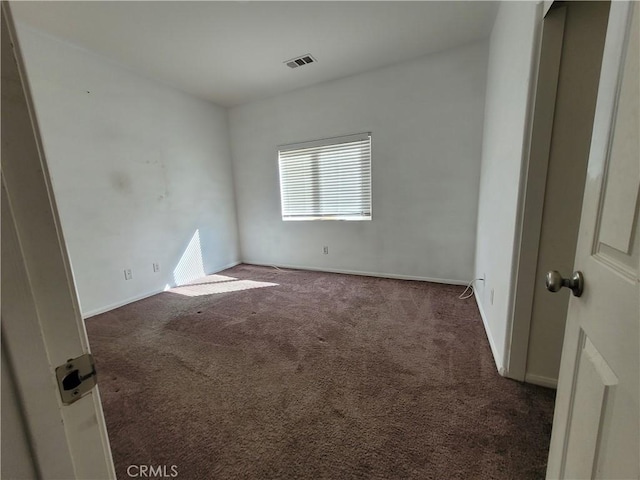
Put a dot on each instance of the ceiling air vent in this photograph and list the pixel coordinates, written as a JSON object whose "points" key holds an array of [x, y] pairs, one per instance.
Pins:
{"points": [[300, 61]]}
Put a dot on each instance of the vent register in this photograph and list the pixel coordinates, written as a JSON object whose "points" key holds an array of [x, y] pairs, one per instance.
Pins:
{"points": [[300, 61]]}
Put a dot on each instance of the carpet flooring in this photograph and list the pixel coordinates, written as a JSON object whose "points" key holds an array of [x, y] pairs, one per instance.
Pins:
{"points": [[260, 373]]}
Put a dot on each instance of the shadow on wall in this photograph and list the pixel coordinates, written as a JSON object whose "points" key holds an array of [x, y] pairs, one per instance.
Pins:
{"points": [[191, 280]]}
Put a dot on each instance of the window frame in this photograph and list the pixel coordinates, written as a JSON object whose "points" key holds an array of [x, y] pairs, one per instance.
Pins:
{"points": [[327, 142]]}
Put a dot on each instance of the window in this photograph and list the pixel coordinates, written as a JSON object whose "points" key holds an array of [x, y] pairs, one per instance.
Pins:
{"points": [[326, 179]]}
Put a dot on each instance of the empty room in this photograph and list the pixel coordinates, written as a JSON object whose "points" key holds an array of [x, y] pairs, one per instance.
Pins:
{"points": [[301, 240]]}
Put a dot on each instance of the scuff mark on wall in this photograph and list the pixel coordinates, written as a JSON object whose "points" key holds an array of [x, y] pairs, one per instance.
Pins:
{"points": [[121, 182]]}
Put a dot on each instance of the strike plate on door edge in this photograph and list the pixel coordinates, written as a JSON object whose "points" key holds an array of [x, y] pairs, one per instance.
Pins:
{"points": [[76, 378]]}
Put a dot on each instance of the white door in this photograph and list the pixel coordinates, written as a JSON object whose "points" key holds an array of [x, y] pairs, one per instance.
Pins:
{"points": [[596, 425], [41, 323]]}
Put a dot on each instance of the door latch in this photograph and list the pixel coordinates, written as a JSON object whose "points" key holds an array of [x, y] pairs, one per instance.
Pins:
{"points": [[76, 378]]}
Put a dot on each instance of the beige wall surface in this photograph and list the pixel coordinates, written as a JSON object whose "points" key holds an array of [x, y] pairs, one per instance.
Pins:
{"points": [[425, 117], [141, 173]]}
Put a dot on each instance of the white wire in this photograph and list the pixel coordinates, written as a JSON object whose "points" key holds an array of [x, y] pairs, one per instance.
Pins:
{"points": [[462, 296], [282, 269]]}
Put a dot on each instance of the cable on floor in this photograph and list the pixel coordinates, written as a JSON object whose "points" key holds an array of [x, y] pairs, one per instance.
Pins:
{"points": [[462, 296], [288, 270]]}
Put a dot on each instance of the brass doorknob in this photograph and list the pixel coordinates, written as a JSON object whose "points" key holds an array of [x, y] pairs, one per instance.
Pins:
{"points": [[555, 282]]}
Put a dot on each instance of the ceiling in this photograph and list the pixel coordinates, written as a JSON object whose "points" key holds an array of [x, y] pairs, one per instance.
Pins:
{"points": [[233, 52]]}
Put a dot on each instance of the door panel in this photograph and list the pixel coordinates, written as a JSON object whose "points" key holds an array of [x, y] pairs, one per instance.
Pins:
{"points": [[596, 430], [593, 384], [620, 199]]}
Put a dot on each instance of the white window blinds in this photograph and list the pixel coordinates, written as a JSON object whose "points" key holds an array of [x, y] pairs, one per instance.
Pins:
{"points": [[326, 179]]}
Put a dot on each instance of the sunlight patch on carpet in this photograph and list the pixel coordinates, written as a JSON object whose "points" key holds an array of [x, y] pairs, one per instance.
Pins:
{"points": [[210, 279], [212, 288]]}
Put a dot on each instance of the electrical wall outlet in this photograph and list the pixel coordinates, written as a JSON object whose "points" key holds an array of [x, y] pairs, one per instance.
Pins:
{"points": [[156, 267], [325, 250], [127, 274]]}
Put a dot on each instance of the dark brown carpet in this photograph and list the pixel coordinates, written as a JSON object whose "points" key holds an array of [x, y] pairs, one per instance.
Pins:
{"points": [[323, 376]]}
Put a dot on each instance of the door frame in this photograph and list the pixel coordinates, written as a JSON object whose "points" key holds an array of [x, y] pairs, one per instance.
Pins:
{"points": [[533, 182], [533, 191], [42, 326]]}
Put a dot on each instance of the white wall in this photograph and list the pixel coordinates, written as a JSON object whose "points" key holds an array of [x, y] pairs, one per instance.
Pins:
{"points": [[509, 79], [137, 168], [426, 122]]}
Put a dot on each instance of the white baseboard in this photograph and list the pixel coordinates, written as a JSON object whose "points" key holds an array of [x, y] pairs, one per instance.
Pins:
{"points": [[494, 351], [358, 272], [229, 265], [540, 380], [122, 303]]}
